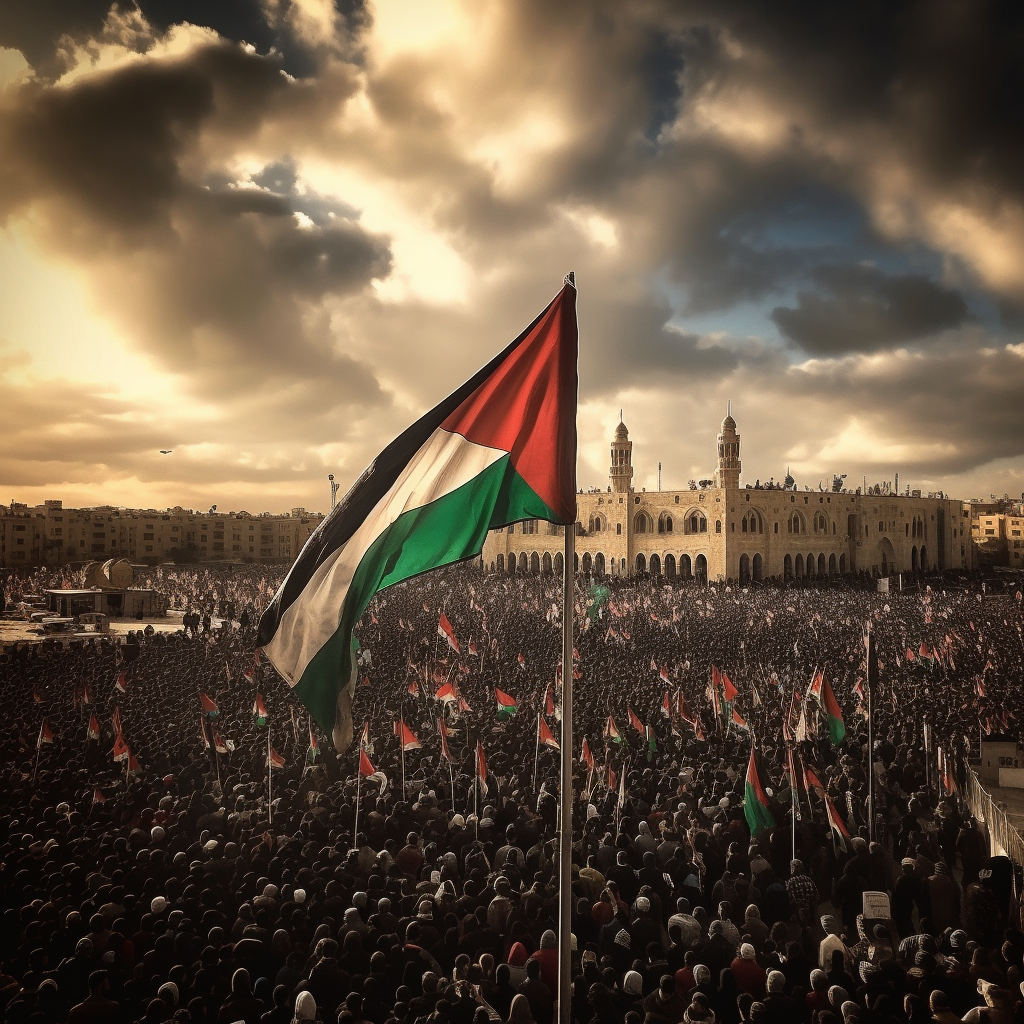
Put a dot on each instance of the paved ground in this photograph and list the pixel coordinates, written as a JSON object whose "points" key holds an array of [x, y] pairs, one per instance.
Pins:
{"points": [[17, 631]]}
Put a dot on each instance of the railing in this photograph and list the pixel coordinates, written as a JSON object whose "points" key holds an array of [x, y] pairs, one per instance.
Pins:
{"points": [[1003, 837]]}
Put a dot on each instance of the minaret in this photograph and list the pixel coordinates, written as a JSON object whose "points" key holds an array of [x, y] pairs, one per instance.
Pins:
{"points": [[728, 472], [621, 473]]}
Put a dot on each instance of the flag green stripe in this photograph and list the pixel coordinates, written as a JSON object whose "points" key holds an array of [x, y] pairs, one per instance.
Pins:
{"points": [[449, 529], [759, 818]]}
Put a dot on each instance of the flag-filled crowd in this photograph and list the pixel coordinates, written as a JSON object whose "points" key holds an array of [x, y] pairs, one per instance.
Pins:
{"points": [[178, 841]]}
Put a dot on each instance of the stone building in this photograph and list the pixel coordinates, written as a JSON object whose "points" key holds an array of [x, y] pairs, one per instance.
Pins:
{"points": [[52, 535], [723, 530]]}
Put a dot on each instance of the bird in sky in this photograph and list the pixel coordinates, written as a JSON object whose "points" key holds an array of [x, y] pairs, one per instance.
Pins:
{"points": [[166, 451]]}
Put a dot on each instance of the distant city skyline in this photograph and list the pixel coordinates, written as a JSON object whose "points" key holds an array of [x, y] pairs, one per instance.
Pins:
{"points": [[244, 245]]}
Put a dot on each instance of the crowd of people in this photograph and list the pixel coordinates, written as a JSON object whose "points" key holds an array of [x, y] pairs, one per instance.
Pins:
{"points": [[189, 880]]}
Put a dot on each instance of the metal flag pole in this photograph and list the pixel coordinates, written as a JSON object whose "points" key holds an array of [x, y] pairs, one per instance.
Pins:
{"points": [[872, 680], [270, 779], [536, 756], [565, 793]]}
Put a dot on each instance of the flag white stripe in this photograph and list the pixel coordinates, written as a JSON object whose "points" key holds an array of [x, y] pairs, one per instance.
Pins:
{"points": [[444, 463]]}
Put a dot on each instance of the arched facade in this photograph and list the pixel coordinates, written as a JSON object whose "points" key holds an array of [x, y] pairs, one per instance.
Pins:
{"points": [[725, 521]]}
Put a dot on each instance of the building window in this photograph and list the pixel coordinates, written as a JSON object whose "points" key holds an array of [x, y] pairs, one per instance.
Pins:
{"points": [[149, 547], [618, 529], [718, 526], [147, 536]]}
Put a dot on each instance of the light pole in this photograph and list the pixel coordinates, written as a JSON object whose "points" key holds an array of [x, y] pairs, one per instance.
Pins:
{"points": [[334, 490]]}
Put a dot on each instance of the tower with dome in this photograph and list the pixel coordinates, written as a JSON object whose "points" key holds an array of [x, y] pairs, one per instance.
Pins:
{"points": [[727, 530]]}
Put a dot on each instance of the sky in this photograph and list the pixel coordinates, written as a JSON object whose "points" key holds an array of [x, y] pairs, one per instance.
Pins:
{"points": [[268, 234]]}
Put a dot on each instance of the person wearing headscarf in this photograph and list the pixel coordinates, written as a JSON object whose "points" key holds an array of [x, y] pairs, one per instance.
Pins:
{"points": [[241, 1004]]}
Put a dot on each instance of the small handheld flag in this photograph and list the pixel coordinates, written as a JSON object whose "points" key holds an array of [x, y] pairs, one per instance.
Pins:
{"points": [[45, 735], [507, 705], [94, 728], [611, 731], [259, 710], [545, 736], [208, 706], [314, 743], [406, 736], [274, 759], [444, 628]]}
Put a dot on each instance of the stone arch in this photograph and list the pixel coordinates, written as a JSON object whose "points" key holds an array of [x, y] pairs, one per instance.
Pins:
{"points": [[685, 567], [758, 568], [641, 564], [511, 563], [744, 569], [752, 522], [913, 559], [820, 522], [524, 563], [831, 565], [501, 563], [695, 522], [700, 568], [787, 567], [576, 564], [809, 567], [599, 564], [888, 556], [842, 565], [598, 523], [795, 523], [670, 567], [798, 566], [535, 562], [642, 523], [821, 565], [665, 523], [924, 559], [588, 563], [655, 565], [558, 563], [547, 563]]}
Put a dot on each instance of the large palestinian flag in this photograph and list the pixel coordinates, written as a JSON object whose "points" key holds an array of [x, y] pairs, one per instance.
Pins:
{"points": [[501, 449]]}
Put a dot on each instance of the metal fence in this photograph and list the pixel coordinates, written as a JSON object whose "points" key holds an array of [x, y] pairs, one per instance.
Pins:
{"points": [[1004, 839]]}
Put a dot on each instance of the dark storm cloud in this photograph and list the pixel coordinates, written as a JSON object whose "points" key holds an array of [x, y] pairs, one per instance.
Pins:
{"points": [[43, 29], [859, 308], [219, 283]]}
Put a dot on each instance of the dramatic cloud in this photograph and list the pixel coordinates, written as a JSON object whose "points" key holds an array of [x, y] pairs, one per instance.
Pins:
{"points": [[864, 310], [314, 219]]}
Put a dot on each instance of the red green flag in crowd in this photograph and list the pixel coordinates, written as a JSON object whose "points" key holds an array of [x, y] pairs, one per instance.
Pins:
{"points": [[499, 450], [739, 721], [274, 759], [755, 799], [833, 714], [666, 706], [121, 682], [120, 751], [835, 821], [45, 735], [481, 766], [94, 728], [634, 721], [446, 694], [442, 730], [209, 707], [314, 743], [611, 731], [259, 710], [444, 628], [544, 734], [507, 705], [406, 736], [586, 756]]}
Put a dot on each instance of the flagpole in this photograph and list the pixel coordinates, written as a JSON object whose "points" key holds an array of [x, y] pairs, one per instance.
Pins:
{"points": [[536, 757], [359, 783], [401, 744], [565, 793], [792, 780], [872, 679], [270, 779]]}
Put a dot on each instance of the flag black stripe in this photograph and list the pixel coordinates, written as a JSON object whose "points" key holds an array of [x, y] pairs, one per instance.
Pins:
{"points": [[363, 496]]}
